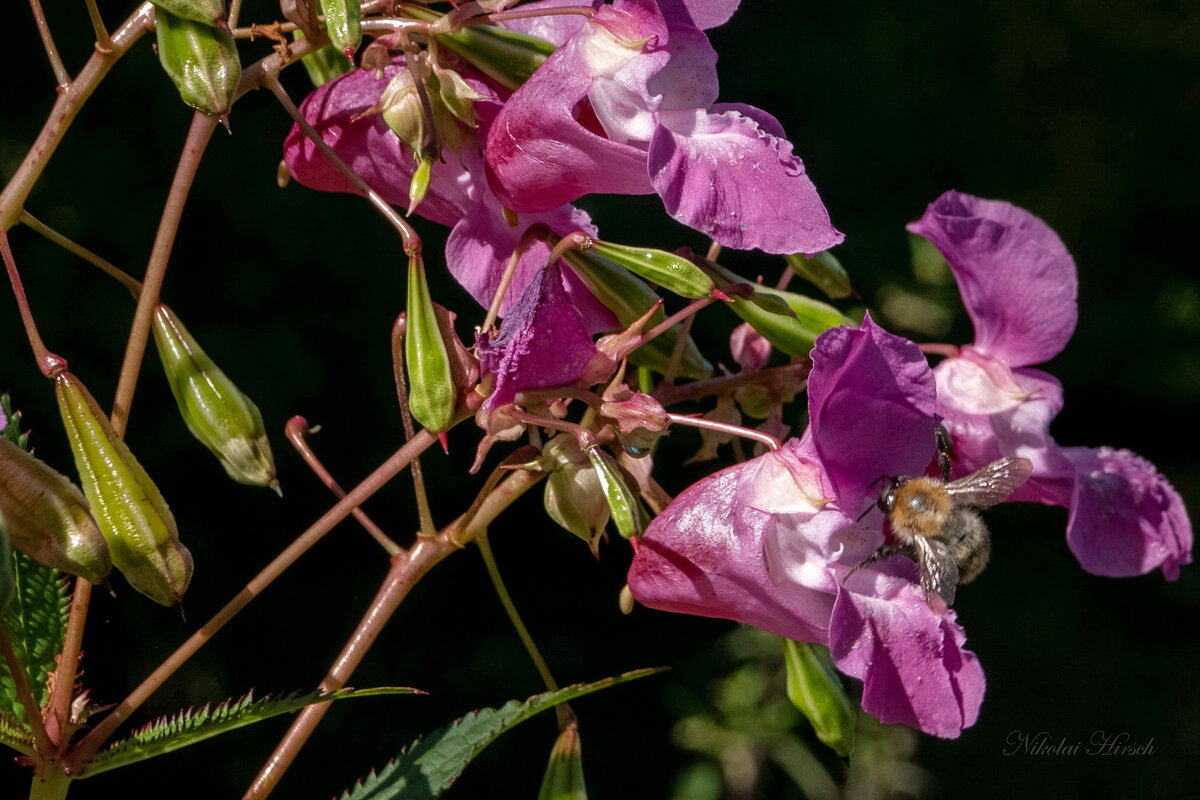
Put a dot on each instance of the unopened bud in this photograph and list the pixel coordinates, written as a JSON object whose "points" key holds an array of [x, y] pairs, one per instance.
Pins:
{"points": [[815, 689], [47, 516], [574, 497], [824, 271], [432, 394], [672, 272], [202, 62], [206, 11], [224, 420], [750, 349], [137, 525], [640, 420], [343, 23], [401, 108], [564, 773]]}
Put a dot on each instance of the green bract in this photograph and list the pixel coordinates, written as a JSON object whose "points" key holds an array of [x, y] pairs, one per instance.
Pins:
{"points": [[47, 516], [202, 62], [137, 525], [815, 689], [432, 395], [564, 773], [343, 23], [673, 273], [224, 420]]}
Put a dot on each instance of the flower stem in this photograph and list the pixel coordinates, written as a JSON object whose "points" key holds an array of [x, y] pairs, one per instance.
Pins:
{"points": [[49, 363], [50, 783], [669, 395], [399, 329], [33, 715], [125, 279], [60, 72], [724, 427], [58, 717], [103, 43]]}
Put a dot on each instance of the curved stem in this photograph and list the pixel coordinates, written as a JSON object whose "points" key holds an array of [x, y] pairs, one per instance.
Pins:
{"points": [[116, 273], [59, 717], [198, 136], [49, 363], [56, 64]]}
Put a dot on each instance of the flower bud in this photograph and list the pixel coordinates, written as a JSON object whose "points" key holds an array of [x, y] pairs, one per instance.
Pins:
{"points": [[224, 420], [750, 349], [202, 62], [823, 271], [343, 23], [673, 273], [432, 394], [640, 419], [573, 496], [137, 525], [626, 509], [206, 11], [815, 689], [47, 516], [564, 773], [629, 298], [400, 105]]}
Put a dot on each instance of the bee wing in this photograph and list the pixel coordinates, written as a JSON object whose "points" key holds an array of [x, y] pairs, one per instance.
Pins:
{"points": [[939, 572], [990, 485]]}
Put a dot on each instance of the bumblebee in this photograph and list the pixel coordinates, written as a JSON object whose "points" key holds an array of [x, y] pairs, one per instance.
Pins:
{"points": [[937, 524]]}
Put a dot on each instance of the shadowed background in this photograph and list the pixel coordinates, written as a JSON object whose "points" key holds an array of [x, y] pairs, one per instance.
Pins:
{"points": [[1085, 113]]}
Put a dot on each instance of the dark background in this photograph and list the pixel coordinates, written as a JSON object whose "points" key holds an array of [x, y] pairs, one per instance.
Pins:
{"points": [[1082, 112]]}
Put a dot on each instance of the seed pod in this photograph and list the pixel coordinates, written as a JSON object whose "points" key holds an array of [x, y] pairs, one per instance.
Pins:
{"points": [[564, 773], [573, 496], [206, 11], [202, 62], [47, 516], [628, 297], [343, 23], [626, 509], [224, 420], [432, 394], [505, 56], [815, 689], [673, 273], [823, 271], [137, 525], [419, 184]]}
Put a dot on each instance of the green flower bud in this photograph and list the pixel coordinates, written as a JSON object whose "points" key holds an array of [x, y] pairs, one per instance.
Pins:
{"points": [[206, 11], [629, 298], [673, 273], [202, 62], [815, 689], [790, 321], [432, 394], [323, 64], [823, 271], [564, 773], [626, 509], [47, 517], [343, 23], [137, 525], [224, 420], [574, 497]]}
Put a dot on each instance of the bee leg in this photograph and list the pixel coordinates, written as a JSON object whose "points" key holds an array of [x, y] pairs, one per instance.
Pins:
{"points": [[887, 551]]}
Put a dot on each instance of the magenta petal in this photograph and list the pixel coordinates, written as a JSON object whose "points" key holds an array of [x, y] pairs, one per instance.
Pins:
{"points": [[870, 405], [704, 13], [554, 28], [723, 174], [1126, 519], [542, 343], [1016, 277], [704, 554], [539, 156], [371, 149], [911, 660]]}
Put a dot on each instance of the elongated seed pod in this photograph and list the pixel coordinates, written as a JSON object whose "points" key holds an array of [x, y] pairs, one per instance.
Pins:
{"points": [[137, 525], [202, 62]]}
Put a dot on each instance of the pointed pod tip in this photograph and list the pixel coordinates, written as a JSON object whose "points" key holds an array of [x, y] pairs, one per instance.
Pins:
{"points": [[444, 442], [274, 485]]}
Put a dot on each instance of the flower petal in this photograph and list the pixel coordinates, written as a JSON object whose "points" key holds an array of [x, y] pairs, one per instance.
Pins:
{"points": [[911, 659], [1016, 277], [704, 13], [725, 175], [1126, 519]]}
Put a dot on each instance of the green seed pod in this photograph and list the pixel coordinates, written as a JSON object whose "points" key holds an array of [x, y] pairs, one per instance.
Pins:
{"points": [[574, 497], [673, 273], [624, 505], [206, 11], [47, 516], [224, 420], [343, 23], [202, 62], [815, 689], [564, 773], [823, 271], [432, 394], [323, 64], [134, 518], [629, 298], [505, 56], [419, 184]]}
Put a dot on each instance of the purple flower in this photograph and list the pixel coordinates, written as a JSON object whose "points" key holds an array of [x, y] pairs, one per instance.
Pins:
{"points": [[626, 106], [772, 542], [1018, 283], [481, 241]]}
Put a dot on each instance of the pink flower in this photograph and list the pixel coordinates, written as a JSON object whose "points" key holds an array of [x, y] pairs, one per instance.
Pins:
{"points": [[626, 106], [772, 542], [1018, 283]]}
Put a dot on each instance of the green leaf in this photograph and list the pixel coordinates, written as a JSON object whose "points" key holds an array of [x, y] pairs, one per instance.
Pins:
{"points": [[15, 734], [191, 726], [431, 764], [36, 621]]}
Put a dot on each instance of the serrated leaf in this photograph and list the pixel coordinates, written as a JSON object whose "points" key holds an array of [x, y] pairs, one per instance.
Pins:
{"points": [[429, 765], [36, 620], [195, 725], [15, 734]]}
